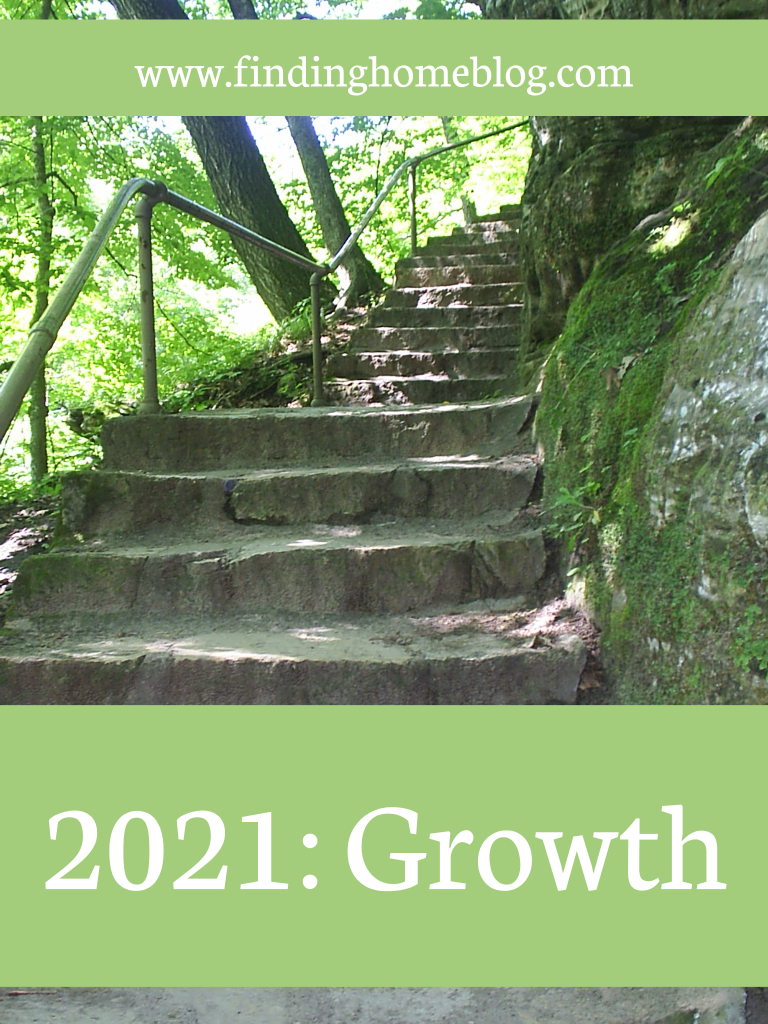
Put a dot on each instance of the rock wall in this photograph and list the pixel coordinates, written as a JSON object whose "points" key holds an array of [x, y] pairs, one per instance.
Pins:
{"points": [[654, 424], [612, 9], [590, 181]]}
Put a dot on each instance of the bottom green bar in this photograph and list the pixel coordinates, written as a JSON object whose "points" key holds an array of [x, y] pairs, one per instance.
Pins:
{"points": [[430, 846]]}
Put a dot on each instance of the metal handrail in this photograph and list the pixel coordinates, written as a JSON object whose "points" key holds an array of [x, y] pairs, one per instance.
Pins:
{"points": [[409, 165], [143, 214], [44, 332]]}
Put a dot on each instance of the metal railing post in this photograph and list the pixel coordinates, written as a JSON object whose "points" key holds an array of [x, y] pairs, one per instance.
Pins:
{"points": [[143, 213], [318, 397], [412, 201]]}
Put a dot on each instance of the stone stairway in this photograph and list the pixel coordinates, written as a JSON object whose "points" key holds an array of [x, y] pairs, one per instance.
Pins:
{"points": [[448, 330], [363, 553]]}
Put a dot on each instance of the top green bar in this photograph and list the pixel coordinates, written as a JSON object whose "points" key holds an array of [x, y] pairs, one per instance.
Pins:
{"points": [[378, 67]]}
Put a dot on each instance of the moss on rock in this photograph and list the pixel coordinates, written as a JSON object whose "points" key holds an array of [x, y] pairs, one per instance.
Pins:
{"points": [[649, 409]]}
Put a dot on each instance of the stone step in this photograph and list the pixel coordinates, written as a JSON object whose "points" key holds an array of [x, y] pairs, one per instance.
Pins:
{"points": [[439, 296], [113, 504], [392, 567], [484, 225], [472, 274], [509, 215], [377, 339], [473, 317], [467, 245], [470, 657], [495, 362], [481, 258], [490, 231], [268, 438], [443, 488], [428, 388]]}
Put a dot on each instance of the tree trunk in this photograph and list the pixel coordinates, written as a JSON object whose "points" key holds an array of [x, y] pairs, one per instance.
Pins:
{"points": [[241, 183], [243, 10], [358, 277], [141, 10], [38, 408], [244, 192]]}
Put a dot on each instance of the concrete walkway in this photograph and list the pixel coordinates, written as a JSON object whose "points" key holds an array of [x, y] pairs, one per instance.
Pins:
{"points": [[374, 1006]]}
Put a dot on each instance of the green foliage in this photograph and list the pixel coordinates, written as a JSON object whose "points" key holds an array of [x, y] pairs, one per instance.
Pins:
{"points": [[573, 510], [751, 640], [194, 9], [203, 344], [434, 10], [96, 363], [362, 153]]}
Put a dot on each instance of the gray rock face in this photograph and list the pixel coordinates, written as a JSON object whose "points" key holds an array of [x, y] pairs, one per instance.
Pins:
{"points": [[707, 471], [711, 449], [614, 9], [591, 180]]}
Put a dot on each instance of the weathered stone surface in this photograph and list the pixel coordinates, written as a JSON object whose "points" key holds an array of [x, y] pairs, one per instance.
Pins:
{"points": [[468, 245], [436, 339], [380, 1005], [708, 465], [462, 658], [653, 420], [480, 294], [483, 257], [442, 489], [252, 438], [446, 316], [619, 9], [590, 181], [327, 570], [115, 504], [493, 362], [413, 390], [477, 274], [314, 512]]}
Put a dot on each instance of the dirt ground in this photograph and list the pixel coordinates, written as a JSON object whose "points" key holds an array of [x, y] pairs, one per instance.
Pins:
{"points": [[24, 530]]}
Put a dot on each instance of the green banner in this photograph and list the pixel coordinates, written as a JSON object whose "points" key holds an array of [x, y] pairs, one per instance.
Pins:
{"points": [[380, 67], [461, 846]]}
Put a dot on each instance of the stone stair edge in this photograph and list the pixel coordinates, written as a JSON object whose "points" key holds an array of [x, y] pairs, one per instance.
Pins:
{"points": [[387, 662], [359, 465], [292, 576], [308, 412]]}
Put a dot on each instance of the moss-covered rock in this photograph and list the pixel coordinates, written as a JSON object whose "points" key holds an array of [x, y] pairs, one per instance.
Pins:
{"points": [[653, 421], [589, 182]]}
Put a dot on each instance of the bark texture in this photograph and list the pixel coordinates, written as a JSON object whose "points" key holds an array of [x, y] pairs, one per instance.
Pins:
{"points": [[38, 404], [245, 192], [240, 181], [358, 277], [149, 9], [243, 10]]}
